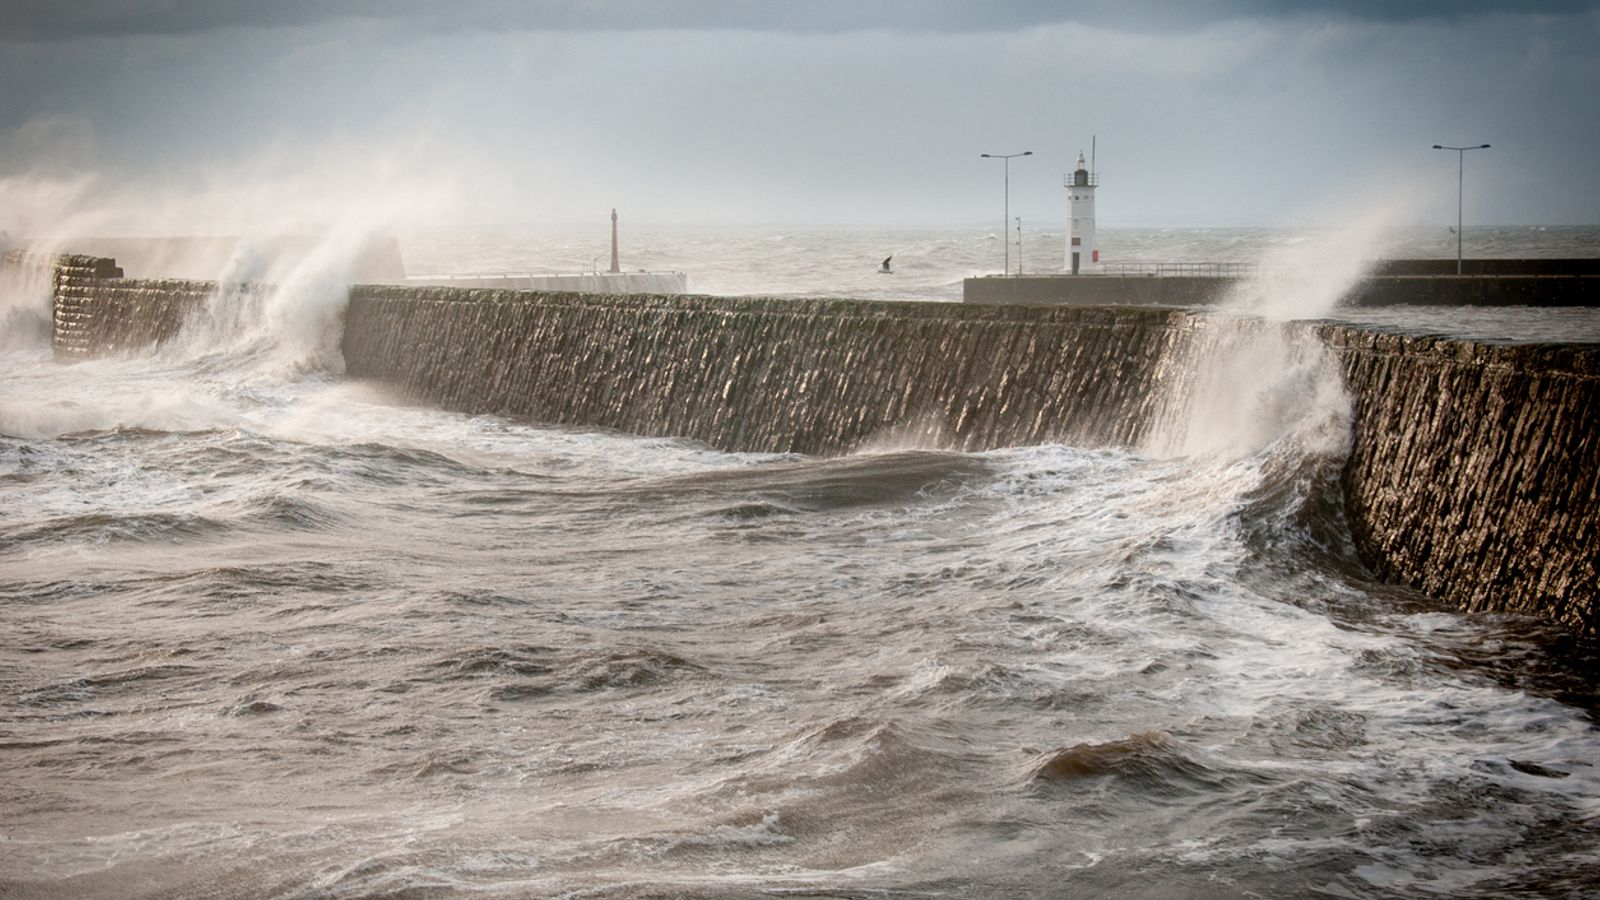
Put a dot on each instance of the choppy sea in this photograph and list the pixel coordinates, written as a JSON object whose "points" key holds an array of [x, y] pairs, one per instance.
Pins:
{"points": [[265, 632]]}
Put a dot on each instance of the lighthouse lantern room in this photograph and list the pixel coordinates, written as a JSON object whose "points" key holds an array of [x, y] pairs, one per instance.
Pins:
{"points": [[1082, 256]]}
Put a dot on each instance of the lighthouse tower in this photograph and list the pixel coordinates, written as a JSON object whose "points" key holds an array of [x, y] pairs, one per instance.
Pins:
{"points": [[1082, 257]]}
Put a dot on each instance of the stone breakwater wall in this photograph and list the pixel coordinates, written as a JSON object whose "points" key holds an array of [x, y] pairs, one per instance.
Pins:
{"points": [[98, 312], [768, 374], [1474, 473]]}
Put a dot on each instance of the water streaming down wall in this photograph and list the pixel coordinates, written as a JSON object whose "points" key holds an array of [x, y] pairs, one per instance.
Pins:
{"points": [[769, 374], [1473, 471], [97, 312]]}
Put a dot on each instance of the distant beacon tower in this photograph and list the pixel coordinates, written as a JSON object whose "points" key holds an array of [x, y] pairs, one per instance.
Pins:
{"points": [[1082, 257], [614, 267]]}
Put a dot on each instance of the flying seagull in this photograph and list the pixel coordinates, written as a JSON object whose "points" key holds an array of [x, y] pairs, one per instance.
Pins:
{"points": [[884, 269]]}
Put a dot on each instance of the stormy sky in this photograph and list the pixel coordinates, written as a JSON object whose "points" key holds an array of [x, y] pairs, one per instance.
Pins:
{"points": [[1233, 112]]}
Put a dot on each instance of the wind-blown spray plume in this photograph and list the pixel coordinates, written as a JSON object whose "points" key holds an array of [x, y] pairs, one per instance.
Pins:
{"points": [[1249, 375], [282, 312], [298, 235]]}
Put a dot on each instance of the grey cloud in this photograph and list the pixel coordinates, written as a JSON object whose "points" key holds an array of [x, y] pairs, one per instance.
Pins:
{"points": [[690, 125], [64, 19]]}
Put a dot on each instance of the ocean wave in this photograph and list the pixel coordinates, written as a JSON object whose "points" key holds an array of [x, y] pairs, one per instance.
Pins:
{"points": [[103, 527], [1149, 765]]}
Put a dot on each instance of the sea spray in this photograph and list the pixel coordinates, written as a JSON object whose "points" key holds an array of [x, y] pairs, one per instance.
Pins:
{"points": [[25, 281], [1238, 384], [243, 351], [1249, 374], [1308, 278], [280, 315], [306, 312]]}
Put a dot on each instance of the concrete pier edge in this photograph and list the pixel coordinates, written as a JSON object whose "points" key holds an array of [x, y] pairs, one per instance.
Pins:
{"points": [[1487, 282]]}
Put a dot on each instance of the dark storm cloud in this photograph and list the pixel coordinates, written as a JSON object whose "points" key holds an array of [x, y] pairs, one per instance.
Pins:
{"points": [[62, 19]]}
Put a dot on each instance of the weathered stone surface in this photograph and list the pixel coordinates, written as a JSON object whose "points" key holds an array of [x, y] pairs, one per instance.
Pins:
{"points": [[766, 374], [1474, 473], [98, 312]]}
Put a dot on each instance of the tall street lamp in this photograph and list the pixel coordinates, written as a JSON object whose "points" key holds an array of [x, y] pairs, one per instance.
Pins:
{"points": [[1461, 155], [1005, 222]]}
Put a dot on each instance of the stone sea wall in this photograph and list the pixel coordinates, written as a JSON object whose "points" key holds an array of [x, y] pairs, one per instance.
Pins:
{"points": [[767, 374], [98, 312], [1474, 473]]}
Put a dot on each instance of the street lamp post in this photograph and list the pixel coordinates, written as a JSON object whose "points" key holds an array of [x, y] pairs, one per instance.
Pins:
{"points": [[1005, 222], [1461, 155]]}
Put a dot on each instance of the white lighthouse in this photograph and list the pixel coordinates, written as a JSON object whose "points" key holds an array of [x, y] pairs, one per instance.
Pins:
{"points": [[1082, 257]]}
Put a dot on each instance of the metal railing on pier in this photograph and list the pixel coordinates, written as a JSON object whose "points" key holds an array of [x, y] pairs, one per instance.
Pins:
{"points": [[1201, 269]]}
